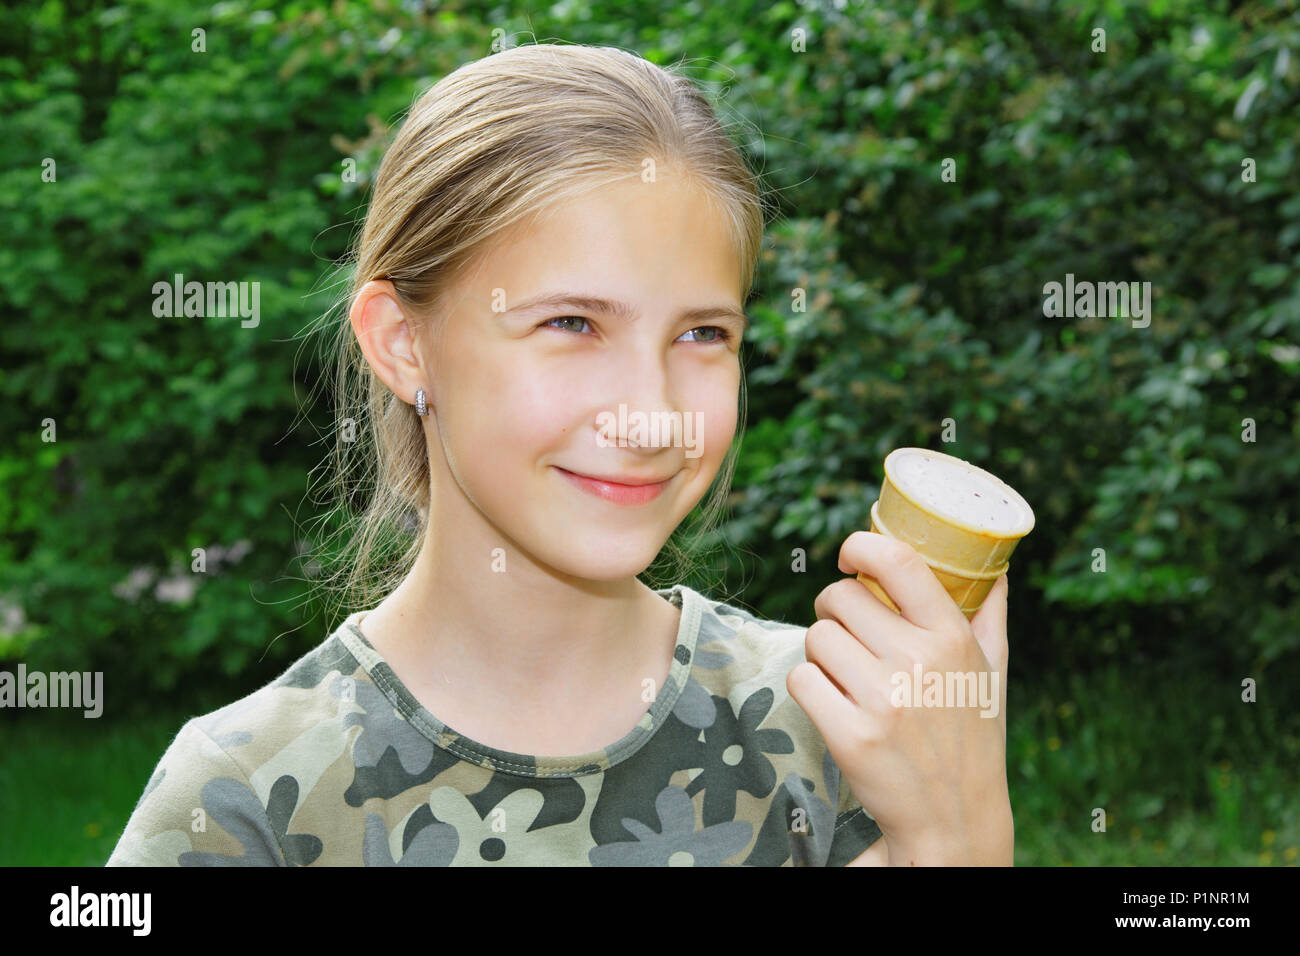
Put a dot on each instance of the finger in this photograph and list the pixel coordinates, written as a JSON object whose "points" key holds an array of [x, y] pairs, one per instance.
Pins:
{"points": [[990, 623], [834, 715], [861, 613], [905, 577], [990, 627], [843, 659]]}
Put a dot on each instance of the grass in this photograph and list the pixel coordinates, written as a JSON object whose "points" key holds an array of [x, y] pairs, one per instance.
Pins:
{"points": [[68, 784], [1184, 772]]}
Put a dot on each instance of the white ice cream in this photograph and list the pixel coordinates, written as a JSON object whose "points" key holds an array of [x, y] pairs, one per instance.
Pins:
{"points": [[964, 494]]}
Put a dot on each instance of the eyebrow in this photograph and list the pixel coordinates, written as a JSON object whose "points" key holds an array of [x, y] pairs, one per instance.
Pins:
{"points": [[587, 303]]}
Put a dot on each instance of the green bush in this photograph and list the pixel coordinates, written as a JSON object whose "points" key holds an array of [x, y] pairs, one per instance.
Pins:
{"points": [[923, 301]]}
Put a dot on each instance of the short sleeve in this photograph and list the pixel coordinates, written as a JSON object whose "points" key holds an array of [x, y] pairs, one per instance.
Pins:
{"points": [[198, 809], [855, 830]]}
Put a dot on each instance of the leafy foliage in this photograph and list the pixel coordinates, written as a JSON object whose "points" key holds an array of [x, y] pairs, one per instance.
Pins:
{"points": [[922, 300]]}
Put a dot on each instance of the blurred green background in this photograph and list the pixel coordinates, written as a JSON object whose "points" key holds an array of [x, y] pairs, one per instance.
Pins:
{"points": [[924, 303]]}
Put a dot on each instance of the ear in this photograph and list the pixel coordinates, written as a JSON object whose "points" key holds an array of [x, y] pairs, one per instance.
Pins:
{"points": [[385, 333]]}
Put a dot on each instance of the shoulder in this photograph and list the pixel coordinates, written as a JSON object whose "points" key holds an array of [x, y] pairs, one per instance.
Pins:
{"points": [[307, 693], [748, 638], [215, 796], [744, 659]]}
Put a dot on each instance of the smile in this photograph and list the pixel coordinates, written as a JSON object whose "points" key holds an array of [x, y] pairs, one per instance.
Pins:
{"points": [[617, 492]]}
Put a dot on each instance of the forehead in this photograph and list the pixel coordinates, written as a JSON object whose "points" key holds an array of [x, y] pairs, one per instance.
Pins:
{"points": [[629, 240]]}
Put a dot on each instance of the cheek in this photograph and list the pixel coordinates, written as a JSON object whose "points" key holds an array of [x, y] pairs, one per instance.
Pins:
{"points": [[715, 399], [507, 406]]}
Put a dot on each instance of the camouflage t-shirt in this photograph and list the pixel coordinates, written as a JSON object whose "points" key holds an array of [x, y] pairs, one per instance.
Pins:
{"points": [[335, 763]]}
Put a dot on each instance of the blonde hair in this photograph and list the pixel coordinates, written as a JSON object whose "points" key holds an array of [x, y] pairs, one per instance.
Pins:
{"points": [[497, 141]]}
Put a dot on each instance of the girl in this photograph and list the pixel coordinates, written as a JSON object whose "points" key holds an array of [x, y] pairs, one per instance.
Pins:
{"points": [[548, 305]]}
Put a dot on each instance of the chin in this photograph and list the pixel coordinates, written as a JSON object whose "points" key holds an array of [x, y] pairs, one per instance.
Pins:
{"points": [[606, 561]]}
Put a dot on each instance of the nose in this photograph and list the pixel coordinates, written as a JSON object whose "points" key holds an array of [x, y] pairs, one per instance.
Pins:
{"points": [[643, 418]]}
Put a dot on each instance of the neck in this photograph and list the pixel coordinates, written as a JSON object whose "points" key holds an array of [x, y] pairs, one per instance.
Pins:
{"points": [[497, 626]]}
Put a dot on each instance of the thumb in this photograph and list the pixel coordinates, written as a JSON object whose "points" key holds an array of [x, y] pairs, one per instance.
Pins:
{"points": [[990, 627]]}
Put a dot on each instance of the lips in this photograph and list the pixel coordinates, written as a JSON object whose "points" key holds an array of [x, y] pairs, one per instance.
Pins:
{"points": [[630, 480], [620, 489]]}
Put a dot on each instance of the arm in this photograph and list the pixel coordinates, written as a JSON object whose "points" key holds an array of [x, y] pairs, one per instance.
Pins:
{"points": [[996, 848], [198, 808]]}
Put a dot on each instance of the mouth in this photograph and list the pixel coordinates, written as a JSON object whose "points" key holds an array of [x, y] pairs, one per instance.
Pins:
{"points": [[620, 489]]}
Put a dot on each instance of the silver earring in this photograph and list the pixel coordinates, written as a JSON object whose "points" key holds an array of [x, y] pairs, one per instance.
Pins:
{"points": [[421, 408]]}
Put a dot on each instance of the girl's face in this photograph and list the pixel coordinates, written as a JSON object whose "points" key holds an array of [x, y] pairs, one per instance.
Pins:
{"points": [[525, 395]]}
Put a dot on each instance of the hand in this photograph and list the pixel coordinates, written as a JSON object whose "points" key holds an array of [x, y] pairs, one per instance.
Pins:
{"points": [[933, 777]]}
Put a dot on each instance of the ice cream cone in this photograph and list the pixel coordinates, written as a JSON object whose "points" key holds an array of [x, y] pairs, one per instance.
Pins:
{"points": [[964, 522]]}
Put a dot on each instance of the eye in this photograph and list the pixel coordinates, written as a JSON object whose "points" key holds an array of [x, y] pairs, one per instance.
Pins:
{"points": [[565, 318], [720, 334]]}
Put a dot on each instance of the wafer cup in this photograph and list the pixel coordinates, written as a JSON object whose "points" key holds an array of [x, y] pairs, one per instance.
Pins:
{"points": [[962, 520]]}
